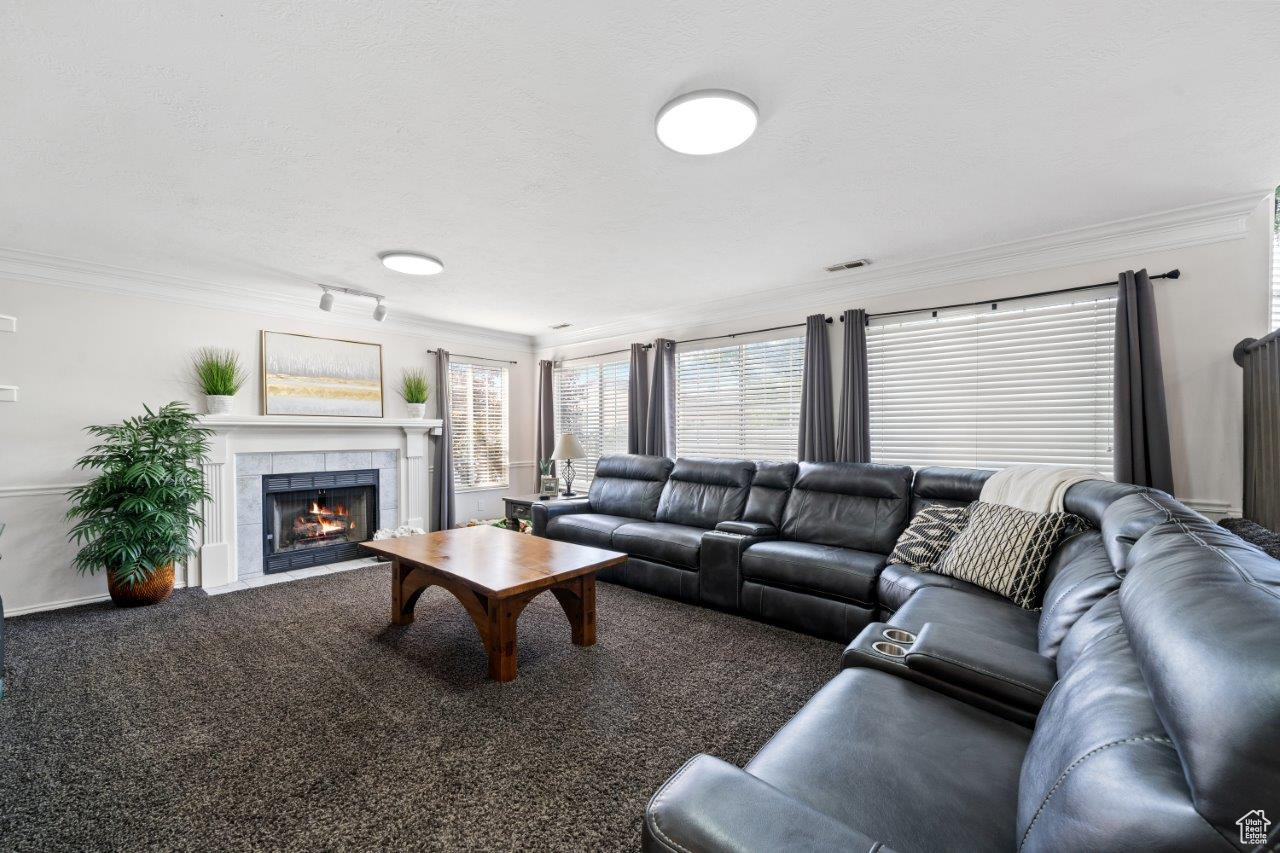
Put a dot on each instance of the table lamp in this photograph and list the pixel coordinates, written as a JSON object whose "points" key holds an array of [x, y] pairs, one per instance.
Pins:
{"points": [[567, 449]]}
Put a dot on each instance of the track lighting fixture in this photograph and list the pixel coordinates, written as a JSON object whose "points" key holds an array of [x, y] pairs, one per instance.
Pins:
{"points": [[326, 301]]}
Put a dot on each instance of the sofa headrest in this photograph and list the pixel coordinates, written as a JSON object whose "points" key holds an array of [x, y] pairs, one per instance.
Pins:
{"points": [[775, 475], [1125, 520], [859, 479], [953, 485], [1202, 609], [735, 473], [633, 466], [1090, 499]]}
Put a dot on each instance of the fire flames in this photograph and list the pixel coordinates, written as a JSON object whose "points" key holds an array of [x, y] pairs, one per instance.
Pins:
{"points": [[321, 522]]}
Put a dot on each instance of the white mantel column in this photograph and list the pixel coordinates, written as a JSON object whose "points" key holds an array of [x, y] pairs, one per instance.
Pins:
{"points": [[215, 567], [416, 479]]}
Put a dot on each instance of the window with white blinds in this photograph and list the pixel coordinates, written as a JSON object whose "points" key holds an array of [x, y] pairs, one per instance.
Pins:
{"points": [[1275, 268], [740, 401], [1026, 380], [591, 403], [478, 420]]}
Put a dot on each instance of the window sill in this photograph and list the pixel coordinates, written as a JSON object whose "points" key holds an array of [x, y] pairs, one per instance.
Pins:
{"points": [[462, 490]]}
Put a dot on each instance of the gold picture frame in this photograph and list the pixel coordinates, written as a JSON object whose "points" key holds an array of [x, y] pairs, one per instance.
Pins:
{"points": [[311, 376]]}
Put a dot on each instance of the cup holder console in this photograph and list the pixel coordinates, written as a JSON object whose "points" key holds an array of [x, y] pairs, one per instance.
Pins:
{"points": [[899, 636], [890, 650]]}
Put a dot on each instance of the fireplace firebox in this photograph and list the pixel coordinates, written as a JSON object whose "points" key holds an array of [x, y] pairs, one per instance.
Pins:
{"points": [[317, 518]]}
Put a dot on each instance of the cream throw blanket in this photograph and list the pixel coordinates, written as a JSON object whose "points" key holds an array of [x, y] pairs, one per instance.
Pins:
{"points": [[1035, 488]]}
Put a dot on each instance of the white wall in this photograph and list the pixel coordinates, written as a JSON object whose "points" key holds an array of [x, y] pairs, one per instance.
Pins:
{"points": [[1222, 296], [83, 357]]}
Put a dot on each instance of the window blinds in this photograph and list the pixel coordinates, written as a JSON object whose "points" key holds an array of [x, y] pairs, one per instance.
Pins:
{"points": [[591, 403], [740, 401], [1026, 380], [478, 419], [1275, 277]]}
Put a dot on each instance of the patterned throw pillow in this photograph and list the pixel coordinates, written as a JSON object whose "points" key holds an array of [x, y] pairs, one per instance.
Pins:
{"points": [[928, 535], [1006, 549]]}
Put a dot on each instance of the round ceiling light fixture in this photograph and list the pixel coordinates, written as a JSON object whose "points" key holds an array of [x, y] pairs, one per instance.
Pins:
{"points": [[411, 263], [709, 121]]}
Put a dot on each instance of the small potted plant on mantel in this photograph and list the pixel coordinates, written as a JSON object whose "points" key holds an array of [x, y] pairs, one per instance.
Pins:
{"points": [[219, 374], [135, 519], [415, 390]]}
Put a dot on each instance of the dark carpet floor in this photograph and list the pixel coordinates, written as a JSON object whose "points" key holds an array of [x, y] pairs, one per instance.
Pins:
{"points": [[294, 717], [1255, 533]]}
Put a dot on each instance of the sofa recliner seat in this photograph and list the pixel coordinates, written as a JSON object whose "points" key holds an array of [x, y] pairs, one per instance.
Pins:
{"points": [[826, 570], [587, 528], [838, 525], [675, 544]]}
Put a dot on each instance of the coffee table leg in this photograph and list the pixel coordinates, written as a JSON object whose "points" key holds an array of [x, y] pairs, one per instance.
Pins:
{"points": [[500, 639], [399, 573], [578, 600]]}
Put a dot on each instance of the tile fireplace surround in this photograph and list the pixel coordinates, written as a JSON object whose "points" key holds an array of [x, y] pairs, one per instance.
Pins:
{"points": [[243, 449]]}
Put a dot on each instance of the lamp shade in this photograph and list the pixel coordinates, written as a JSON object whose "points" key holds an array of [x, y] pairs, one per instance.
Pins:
{"points": [[568, 447]]}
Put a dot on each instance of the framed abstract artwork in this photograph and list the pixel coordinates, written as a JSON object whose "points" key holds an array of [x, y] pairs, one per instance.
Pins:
{"points": [[305, 375]]}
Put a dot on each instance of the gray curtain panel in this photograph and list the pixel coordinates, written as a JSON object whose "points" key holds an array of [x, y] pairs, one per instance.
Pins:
{"points": [[1142, 453], [546, 415], [638, 399], [853, 428], [817, 423], [442, 485], [660, 435]]}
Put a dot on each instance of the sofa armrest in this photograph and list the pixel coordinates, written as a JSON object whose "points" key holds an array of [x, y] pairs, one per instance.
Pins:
{"points": [[748, 528], [540, 513], [711, 805], [1010, 674], [720, 567]]}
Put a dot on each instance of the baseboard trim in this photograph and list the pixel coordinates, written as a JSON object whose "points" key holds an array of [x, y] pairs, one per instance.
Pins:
{"points": [[56, 605], [1214, 509]]}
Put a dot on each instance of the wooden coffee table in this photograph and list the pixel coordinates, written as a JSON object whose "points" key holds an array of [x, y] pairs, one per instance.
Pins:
{"points": [[494, 573]]}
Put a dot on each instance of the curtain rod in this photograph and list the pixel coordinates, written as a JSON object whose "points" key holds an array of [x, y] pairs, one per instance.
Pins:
{"points": [[695, 340], [752, 332], [475, 357], [1174, 273], [601, 354]]}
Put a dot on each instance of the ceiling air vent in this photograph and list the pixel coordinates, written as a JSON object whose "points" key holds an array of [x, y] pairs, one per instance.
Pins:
{"points": [[849, 265]]}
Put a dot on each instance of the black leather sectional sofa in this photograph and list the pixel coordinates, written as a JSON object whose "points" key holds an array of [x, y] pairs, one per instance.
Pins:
{"points": [[1136, 709]]}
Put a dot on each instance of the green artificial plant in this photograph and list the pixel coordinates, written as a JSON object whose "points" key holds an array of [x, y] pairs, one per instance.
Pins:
{"points": [[414, 387], [218, 371], [137, 515]]}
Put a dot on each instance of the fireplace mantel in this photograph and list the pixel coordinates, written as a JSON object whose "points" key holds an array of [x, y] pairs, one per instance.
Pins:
{"points": [[217, 422], [235, 434]]}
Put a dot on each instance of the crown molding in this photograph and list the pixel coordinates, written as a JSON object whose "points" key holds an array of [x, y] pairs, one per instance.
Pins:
{"points": [[1215, 222], [85, 275]]}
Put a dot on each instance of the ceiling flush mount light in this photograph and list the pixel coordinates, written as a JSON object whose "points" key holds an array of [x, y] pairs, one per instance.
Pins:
{"points": [[709, 121], [411, 263]]}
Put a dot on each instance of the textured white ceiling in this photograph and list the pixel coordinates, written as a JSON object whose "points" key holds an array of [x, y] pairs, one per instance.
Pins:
{"points": [[272, 143]]}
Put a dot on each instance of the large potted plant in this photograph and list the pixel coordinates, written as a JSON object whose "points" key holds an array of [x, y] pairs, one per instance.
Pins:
{"points": [[135, 519], [219, 375]]}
